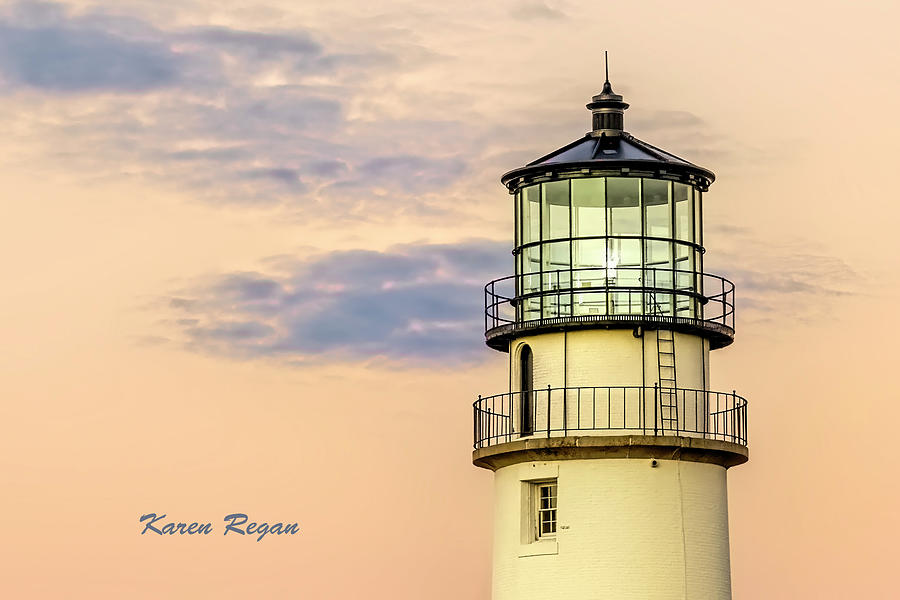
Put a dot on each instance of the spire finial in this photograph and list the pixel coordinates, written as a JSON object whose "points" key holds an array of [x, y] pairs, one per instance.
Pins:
{"points": [[607, 108], [606, 64]]}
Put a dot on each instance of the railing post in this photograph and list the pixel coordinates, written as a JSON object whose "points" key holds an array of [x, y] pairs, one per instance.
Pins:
{"points": [[557, 293], [475, 423], [510, 421], [724, 303], [733, 411], [643, 411], [655, 414], [548, 410]]}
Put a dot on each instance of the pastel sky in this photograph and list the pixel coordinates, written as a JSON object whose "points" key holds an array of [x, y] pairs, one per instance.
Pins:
{"points": [[244, 245]]}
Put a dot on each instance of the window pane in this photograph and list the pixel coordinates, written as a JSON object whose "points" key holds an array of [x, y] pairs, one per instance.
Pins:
{"points": [[657, 207], [588, 207], [531, 259], [698, 221], [658, 254], [659, 303], [531, 281], [623, 202], [684, 220], [531, 215], [684, 262], [622, 255], [590, 262], [623, 270], [589, 254], [518, 225], [556, 256], [556, 265], [556, 210], [556, 278], [685, 304]]}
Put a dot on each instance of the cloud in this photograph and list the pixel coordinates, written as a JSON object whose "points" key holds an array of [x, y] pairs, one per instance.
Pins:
{"points": [[414, 303], [73, 60], [534, 9], [231, 115], [784, 280]]}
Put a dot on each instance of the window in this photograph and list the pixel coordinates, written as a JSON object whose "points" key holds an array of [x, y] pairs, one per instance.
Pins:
{"points": [[624, 205], [545, 509], [684, 220], [556, 210], [531, 214], [579, 250], [657, 208]]}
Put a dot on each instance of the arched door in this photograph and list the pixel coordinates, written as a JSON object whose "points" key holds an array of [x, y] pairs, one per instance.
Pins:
{"points": [[526, 386]]}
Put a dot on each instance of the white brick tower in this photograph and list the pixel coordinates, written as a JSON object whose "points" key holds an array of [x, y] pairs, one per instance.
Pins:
{"points": [[609, 450]]}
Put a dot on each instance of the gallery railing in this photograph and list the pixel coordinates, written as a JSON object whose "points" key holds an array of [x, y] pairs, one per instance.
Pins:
{"points": [[613, 294], [657, 411]]}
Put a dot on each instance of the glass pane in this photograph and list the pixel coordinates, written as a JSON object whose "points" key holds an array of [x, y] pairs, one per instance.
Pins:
{"points": [[557, 305], [518, 230], [658, 254], [531, 281], [684, 220], [556, 210], [623, 270], [657, 208], [531, 308], [556, 278], [588, 207], [590, 262], [698, 220], [698, 269], [590, 303], [623, 255], [556, 263], [531, 266], [531, 257], [684, 265], [531, 214], [658, 276], [625, 302], [659, 303], [623, 202]]}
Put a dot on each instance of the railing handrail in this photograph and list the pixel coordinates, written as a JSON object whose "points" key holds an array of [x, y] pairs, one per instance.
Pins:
{"points": [[610, 387], [489, 286]]}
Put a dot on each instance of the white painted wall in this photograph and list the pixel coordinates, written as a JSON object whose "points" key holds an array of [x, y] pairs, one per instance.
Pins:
{"points": [[627, 531], [602, 358], [611, 357]]}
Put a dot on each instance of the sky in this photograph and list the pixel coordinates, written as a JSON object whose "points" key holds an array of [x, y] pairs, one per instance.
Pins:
{"points": [[244, 245]]}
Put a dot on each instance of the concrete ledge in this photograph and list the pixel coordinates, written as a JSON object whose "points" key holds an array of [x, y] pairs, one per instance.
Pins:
{"points": [[530, 449]]}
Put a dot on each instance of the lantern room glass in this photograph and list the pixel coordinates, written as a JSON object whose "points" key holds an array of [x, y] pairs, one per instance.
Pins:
{"points": [[608, 246]]}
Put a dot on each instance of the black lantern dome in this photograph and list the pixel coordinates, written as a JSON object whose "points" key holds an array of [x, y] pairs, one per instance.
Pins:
{"points": [[608, 147]]}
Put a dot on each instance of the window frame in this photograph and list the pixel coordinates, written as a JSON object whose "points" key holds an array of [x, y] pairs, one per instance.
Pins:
{"points": [[552, 510]]}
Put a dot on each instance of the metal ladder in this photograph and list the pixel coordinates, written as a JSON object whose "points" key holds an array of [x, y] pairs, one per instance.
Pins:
{"points": [[668, 401]]}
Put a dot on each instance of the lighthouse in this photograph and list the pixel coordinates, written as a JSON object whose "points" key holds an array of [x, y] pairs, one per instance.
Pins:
{"points": [[609, 449]]}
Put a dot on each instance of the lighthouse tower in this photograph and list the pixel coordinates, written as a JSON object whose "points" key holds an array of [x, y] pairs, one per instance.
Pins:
{"points": [[609, 450]]}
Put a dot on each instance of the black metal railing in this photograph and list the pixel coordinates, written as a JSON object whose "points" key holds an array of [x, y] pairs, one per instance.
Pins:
{"points": [[613, 294], [657, 411]]}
